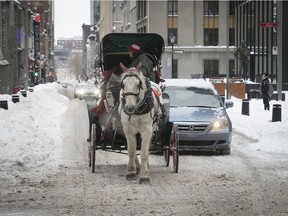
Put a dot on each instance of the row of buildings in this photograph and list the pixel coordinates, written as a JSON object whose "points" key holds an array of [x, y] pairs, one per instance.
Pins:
{"points": [[243, 38], [212, 38], [26, 43]]}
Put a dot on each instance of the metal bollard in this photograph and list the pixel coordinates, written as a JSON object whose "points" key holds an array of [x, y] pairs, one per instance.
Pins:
{"points": [[24, 93], [4, 104], [245, 107], [276, 113], [223, 98], [15, 98]]}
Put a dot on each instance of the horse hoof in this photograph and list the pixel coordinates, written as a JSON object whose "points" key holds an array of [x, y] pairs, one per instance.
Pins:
{"points": [[144, 180], [138, 171], [131, 176]]}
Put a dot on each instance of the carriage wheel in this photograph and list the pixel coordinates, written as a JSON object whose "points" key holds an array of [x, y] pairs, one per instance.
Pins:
{"points": [[93, 147], [166, 139], [174, 147], [89, 154], [166, 153]]}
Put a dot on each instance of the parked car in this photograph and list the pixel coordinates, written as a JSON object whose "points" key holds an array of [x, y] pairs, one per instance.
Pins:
{"points": [[200, 115], [85, 89]]}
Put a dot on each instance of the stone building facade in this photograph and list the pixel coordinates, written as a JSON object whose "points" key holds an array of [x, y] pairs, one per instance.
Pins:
{"points": [[16, 40], [202, 29], [11, 33]]}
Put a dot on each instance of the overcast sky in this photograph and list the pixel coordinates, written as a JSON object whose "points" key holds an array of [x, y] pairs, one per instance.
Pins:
{"points": [[70, 16]]}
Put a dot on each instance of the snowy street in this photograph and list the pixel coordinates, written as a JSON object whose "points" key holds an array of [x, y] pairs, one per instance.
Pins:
{"points": [[44, 166]]}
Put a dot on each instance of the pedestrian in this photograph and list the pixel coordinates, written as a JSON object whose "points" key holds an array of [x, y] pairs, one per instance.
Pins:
{"points": [[265, 89]]}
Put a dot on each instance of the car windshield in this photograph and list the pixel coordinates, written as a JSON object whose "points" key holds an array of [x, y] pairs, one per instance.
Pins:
{"points": [[86, 86], [90, 86], [192, 97]]}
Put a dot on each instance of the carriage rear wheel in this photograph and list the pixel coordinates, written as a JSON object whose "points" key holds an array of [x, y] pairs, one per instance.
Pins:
{"points": [[166, 153], [174, 147], [93, 147]]}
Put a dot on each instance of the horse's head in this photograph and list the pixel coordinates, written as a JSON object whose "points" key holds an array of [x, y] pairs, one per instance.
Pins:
{"points": [[132, 84]]}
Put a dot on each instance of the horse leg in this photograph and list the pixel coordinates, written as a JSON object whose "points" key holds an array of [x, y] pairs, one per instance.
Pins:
{"points": [[137, 165], [144, 172], [132, 172]]}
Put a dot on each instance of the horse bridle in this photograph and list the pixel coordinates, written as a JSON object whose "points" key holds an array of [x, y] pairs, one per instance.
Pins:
{"points": [[146, 104], [124, 94]]}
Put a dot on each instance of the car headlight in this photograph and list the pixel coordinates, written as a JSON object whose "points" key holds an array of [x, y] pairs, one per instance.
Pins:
{"points": [[81, 91], [220, 124], [98, 93]]}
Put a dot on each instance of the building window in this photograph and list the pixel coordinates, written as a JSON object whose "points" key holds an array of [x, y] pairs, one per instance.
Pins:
{"points": [[211, 23], [210, 36], [142, 30], [211, 8], [172, 7], [142, 9], [211, 68], [232, 6], [231, 36]]}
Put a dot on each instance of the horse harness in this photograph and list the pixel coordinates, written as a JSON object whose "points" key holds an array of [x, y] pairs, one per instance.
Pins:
{"points": [[146, 105]]}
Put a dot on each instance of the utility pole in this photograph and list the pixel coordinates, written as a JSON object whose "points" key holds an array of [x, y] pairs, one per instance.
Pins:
{"points": [[228, 93], [280, 51], [26, 50]]}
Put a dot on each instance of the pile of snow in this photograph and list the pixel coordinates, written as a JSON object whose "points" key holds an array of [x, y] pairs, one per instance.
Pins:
{"points": [[30, 129], [269, 136], [31, 132]]}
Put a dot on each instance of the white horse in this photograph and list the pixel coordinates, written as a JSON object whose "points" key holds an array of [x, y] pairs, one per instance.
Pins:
{"points": [[138, 110]]}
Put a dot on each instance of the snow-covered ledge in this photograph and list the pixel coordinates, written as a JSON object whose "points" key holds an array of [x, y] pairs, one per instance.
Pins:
{"points": [[2, 60]]}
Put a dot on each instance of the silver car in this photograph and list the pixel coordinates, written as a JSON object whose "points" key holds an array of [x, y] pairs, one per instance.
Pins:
{"points": [[84, 90], [200, 115]]}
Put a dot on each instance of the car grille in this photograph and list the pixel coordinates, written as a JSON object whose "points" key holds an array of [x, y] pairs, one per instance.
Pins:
{"points": [[192, 128], [201, 142]]}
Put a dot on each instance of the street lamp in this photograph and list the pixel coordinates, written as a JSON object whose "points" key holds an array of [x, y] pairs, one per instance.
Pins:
{"points": [[172, 41]]}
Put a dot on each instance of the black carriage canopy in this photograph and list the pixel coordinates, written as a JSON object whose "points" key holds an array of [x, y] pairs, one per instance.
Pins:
{"points": [[114, 47]]}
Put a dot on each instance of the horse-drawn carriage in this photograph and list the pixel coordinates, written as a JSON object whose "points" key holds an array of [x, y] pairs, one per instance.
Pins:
{"points": [[136, 116]]}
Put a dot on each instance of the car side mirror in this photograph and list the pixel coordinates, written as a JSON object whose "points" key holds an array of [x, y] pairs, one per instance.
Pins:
{"points": [[229, 104]]}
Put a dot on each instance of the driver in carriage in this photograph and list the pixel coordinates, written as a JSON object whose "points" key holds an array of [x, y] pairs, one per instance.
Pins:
{"points": [[147, 60]]}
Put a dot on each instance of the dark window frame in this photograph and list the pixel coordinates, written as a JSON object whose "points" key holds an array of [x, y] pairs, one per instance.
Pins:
{"points": [[231, 36], [211, 36], [211, 67], [172, 7], [211, 8], [141, 9]]}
